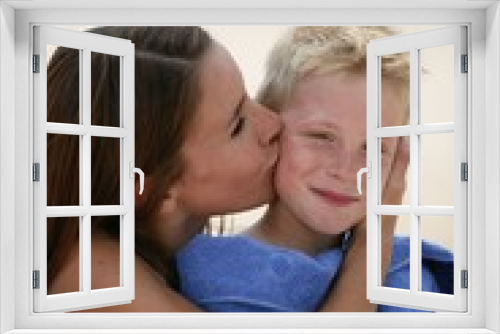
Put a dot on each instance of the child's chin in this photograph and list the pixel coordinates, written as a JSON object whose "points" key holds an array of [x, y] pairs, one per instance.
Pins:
{"points": [[346, 220], [332, 229]]}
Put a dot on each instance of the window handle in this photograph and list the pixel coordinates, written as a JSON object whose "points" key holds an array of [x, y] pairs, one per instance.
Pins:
{"points": [[141, 176], [368, 171]]}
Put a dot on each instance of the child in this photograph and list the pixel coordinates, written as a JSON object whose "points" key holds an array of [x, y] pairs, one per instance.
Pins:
{"points": [[288, 261]]}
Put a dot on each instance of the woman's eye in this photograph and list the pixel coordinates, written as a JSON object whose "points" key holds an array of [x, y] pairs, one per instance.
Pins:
{"points": [[238, 127], [384, 149]]}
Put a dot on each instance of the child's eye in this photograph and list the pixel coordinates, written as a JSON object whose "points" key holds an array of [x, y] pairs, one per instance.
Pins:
{"points": [[238, 128], [322, 136]]}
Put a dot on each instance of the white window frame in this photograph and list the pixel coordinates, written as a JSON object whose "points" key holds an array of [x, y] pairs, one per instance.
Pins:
{"points": [[413, 44], [85, 43], [484, 50]]}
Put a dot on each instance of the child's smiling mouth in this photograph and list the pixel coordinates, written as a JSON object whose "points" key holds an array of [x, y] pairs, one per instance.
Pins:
{"points": [[335, 198]]}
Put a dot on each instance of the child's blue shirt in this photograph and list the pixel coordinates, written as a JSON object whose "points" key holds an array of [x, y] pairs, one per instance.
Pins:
{"points": [[241, 274]]}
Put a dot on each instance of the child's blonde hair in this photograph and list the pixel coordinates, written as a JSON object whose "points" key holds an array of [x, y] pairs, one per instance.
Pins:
{"points": [[328, 50]]}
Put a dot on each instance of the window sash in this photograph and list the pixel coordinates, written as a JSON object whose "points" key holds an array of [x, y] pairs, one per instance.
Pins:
{"points": [[86, 297], [413, 298]]}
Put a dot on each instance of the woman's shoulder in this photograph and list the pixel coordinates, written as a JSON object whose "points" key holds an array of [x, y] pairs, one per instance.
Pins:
{"points": [[152, 294]]}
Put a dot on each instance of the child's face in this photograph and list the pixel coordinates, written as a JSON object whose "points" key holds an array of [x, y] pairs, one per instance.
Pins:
{"points": [[324, 146]]}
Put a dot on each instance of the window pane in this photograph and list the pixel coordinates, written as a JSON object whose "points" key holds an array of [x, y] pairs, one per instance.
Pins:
{"points": [[59, 74], [437, 85], [437, 169], [63, 254], [393, 148], [437, 254], [103, 229], [105, 171], [105, 89], [63, 170], [395, 97], [398, 274]]}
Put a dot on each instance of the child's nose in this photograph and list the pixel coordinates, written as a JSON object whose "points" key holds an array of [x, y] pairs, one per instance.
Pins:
{"points": [[345, 165]]}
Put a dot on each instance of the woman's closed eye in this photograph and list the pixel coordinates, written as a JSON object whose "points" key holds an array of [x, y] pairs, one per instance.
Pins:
{"points": [[238, 120], [238, 127]]}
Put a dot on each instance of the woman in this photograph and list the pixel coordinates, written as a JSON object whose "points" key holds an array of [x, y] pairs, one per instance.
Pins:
{"points": [[197, 136]]}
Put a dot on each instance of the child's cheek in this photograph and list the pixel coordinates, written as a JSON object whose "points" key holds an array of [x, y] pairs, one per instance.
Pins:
{"points": [[287, 166]]}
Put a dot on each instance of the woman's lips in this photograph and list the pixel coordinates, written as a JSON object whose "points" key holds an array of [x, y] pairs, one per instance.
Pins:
{"points": [[335, 198], [269, 168], [273, 160]]}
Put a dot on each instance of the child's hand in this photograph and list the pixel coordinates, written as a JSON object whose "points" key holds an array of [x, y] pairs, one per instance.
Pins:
{"points": [[396, 184], [393, 195]]}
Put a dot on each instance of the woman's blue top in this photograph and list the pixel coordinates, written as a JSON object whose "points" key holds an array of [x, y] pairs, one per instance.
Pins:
{"points": [[241, 274]]}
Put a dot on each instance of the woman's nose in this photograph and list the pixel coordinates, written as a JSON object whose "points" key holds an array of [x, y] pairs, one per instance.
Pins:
{"points": [[269, 126]]}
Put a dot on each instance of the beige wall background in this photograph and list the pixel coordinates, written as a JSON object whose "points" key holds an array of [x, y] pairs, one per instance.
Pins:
{"points": [[250, 45]]}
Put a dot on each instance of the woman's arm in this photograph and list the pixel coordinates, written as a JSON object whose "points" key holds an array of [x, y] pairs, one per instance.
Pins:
{"points": [[349, 292], [151, 292]]}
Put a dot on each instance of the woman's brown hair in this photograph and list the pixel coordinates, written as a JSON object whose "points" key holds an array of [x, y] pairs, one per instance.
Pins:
{"points": [[167, 75]]}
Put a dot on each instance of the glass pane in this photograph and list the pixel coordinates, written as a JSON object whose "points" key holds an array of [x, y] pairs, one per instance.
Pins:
{"points": [[394, 179], [437, 85], [437, 254], [395, 97], [437, 169], [63, 170], [63, 254], [103, 229], [398, 274], [63, 80], [105, 171], [105, 89]]}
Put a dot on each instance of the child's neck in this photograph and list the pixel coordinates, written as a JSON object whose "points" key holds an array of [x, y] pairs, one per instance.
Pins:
{"points": [[281, 228]]}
